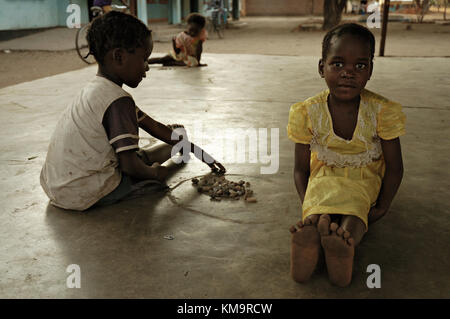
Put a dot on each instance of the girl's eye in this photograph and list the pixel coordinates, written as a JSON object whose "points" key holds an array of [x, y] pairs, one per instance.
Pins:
{"points": [[338, 64], [360, 66]]}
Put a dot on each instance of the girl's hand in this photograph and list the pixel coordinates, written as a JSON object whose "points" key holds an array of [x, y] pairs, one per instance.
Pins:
{"points": [[217, 167], [375, 214], [161, 171], [208, 160]]}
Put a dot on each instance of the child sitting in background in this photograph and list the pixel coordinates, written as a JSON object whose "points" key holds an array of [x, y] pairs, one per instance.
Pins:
{"points": [[348, 160], [187, 46], [93, 156]]}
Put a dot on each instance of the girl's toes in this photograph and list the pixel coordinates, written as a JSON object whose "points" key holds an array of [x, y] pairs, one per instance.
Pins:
{"points": [[346, 235], [334, 227], [300, 224], [324, 225], [308, 221], [292, 229], [313, 219], [350, 241], [340, 231]]}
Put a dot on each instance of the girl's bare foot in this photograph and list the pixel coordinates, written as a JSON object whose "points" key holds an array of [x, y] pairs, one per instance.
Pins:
{"points": [[339, 251], [305, 248]]}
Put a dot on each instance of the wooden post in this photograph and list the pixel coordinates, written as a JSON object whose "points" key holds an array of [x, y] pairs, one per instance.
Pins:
{"points": [[236, 10], [384, 26], [244, 11], [445, 9]]}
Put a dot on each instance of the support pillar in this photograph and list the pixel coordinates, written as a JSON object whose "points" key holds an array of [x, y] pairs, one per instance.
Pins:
{"points": [[384, 26], [236, 11], [142, 11], [175, 11]]}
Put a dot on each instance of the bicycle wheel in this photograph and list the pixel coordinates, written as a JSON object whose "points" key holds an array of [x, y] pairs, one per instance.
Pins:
{"points": [[82, 45]]}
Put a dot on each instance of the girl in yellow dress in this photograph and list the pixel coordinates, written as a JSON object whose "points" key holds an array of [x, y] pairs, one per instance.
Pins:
{"points": [[348, 162]]}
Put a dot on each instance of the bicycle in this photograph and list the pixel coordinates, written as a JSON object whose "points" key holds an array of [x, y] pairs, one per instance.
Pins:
{"points": [[216, 18], [80, 39]]}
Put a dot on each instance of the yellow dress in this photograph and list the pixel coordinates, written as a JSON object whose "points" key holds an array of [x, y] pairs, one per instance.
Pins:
{"points": [[345, 175]]}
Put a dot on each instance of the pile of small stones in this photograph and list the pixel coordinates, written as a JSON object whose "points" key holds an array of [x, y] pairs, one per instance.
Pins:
{"points": [[218, 188]]}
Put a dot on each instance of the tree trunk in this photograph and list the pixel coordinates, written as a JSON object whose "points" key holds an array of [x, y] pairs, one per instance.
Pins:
{"points": [[422, 7], [332, 13]]}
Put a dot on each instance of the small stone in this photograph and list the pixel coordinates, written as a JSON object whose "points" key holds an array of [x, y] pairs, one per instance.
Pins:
{"points": [[251, 200], [195, 181]]}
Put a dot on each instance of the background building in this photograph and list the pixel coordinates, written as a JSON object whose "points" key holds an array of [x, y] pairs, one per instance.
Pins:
{"points": [[282, 7]]}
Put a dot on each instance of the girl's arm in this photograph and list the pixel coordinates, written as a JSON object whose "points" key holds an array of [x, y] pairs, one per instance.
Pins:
{"points": [[157, 130], [393, 175], [301, 168], [174, 46], [135, 167], [163, 133], [199, 53]]}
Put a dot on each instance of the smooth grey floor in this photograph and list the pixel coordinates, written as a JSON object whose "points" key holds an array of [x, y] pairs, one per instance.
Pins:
{"points": [[220, 249]]}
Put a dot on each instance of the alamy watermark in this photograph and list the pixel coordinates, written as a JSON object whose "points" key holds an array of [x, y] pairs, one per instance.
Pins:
{"points": [[74, 18], [74, 279], [374, 20], [234, 145], [374, 279]]}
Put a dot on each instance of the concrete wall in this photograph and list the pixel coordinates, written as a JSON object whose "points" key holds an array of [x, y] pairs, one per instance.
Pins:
{"points": [[283, 7], [33, 14], [171, 11], [158, 10], [62, 14]]}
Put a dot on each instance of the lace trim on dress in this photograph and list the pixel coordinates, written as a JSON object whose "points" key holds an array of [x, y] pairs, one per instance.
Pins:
{"points": [[332, 158]]}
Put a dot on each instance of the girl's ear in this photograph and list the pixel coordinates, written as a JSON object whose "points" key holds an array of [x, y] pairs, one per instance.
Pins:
{"points": [[117, 55], [321, 66]]}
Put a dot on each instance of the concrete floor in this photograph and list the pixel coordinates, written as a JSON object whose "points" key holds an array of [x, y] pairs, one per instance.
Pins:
{"points": [[220, 249]]}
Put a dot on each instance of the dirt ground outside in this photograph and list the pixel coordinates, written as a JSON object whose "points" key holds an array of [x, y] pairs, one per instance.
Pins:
{"points": [[253, 35]]}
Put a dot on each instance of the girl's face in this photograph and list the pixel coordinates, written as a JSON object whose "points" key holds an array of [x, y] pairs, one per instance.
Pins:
{"points": [[194, 29], [347, 68], [135, 64]]}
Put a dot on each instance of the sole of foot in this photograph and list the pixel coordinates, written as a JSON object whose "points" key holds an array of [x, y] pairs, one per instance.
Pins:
{"points": [[305, 249], [339, 251]]}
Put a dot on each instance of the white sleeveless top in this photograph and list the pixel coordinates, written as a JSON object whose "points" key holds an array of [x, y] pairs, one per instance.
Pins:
{"points": [[81, 166]]}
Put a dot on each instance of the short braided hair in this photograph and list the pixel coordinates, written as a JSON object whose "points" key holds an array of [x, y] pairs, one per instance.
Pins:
{"points": [[352, 29], [196, 18], [115, 30]]}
